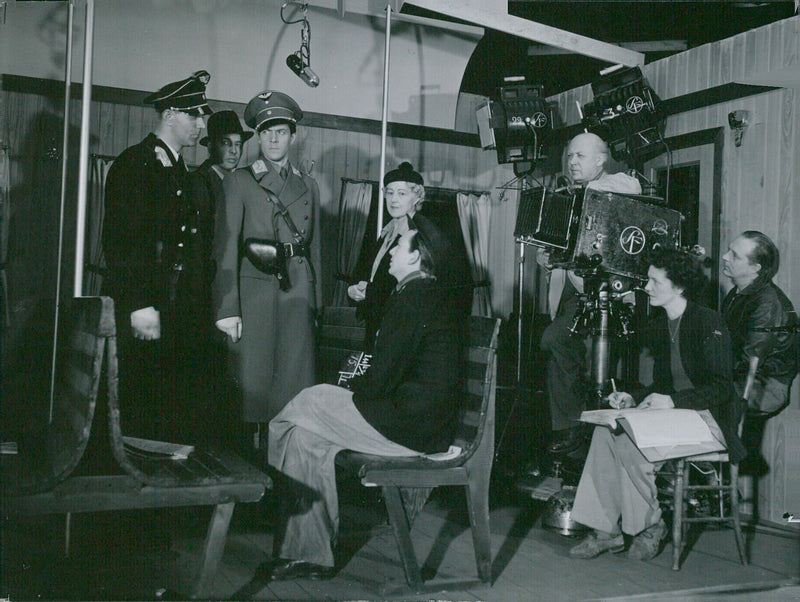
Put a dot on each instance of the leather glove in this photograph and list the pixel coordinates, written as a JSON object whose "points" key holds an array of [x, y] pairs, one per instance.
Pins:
{"points": [[146, 324], [231, 326]]}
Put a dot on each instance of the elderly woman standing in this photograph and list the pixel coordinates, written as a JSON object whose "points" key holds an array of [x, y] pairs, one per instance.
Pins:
{"points": [[404, 193], [691, 349]]}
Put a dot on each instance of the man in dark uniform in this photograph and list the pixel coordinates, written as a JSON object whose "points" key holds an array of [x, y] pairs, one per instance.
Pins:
{"points": [[225, 140], [268, 315], [143, 245]]}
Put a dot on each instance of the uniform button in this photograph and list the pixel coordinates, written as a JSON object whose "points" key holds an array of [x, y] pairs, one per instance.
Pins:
{"points": [[305, 203], [303, 231], [179, 192], [305, 218], [300, 261]]}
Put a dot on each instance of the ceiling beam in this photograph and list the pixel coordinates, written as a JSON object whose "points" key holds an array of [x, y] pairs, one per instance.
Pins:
{"points": [[530, 30], [376, 8], [653, 46], [646, 1]]}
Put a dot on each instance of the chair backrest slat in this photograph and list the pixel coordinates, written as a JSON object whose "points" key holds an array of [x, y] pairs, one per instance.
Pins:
{"points": [[481, 357]]}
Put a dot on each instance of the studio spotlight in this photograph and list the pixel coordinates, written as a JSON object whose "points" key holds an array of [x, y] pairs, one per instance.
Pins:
{"points": [[300, 62], [517, 125], [626, 113]]}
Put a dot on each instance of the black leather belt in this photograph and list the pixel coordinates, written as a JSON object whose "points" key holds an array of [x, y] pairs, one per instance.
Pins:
{"points": [[294, 250]]}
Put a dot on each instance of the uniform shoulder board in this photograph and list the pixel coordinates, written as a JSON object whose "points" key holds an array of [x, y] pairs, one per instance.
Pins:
{"points": [[259, 167]]}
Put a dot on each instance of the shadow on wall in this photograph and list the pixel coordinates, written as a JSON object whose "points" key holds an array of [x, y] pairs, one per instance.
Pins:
{"points": [[52, 31], [329, 170]]}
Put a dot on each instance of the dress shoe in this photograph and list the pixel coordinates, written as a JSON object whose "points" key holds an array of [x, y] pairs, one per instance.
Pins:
{"points": [[285, 569], [592, 546], [647, 544], [568, 441]]}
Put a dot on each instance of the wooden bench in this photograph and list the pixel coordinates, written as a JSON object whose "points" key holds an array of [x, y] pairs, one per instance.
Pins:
{"points": [[407, 482], [40, 481]]}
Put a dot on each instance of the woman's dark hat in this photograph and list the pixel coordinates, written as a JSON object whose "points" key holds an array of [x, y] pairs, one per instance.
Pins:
{"points": [[404, 173], [223, 123], [187, 95], [269, 106]]}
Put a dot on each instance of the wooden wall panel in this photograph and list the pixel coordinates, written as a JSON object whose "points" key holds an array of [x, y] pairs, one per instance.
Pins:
{"points": [[760, 186], [336, 154]]}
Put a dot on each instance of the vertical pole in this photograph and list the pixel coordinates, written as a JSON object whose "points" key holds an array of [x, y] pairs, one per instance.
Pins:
{"points": [[384, 115], [521, 296], [64, 165], [83, 169]]}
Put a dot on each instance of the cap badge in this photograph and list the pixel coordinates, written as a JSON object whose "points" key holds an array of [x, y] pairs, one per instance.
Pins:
{"points": [[265, 95]]}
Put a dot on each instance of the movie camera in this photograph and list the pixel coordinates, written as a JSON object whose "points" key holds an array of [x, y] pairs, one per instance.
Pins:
{"points": [[605, 238]]}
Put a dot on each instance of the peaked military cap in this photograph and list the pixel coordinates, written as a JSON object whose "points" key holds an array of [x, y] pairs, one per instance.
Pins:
{"points": [[187, 95], [269, 106], [222, 123]]}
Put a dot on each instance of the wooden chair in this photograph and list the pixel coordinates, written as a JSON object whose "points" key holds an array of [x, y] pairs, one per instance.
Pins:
{"points": [[471, 469], [720, 487], [39, 481]]}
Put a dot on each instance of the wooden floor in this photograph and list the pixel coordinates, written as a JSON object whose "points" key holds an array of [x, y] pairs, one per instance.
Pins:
{"points": [[133, 556]]}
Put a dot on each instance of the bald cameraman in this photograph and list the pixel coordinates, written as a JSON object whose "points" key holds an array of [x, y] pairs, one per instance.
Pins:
{"points": [[587, 156]]}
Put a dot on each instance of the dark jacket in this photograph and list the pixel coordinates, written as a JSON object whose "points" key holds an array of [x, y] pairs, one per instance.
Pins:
{"points": [[204, 194], [378, 290], [748, 313], [706, 358], [412, 392], [141, 230]]}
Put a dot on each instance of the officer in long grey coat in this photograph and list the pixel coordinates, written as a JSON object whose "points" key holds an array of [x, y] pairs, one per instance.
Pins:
{"points": [[268, 313]]}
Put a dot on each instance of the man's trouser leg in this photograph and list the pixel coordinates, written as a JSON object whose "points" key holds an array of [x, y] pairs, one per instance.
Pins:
{"points": [[617, 482], [304, 439], [565, 368]]}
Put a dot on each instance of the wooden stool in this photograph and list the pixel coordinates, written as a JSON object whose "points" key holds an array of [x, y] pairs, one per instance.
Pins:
{"points": [[683, 489]]}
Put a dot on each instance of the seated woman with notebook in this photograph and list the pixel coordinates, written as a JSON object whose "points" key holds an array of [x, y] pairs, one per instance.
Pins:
{"points": [[691, 349]]}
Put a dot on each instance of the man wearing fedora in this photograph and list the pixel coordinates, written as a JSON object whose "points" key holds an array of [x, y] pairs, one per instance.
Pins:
{"points": [[143, 241], [268, 314], [224, 141]]}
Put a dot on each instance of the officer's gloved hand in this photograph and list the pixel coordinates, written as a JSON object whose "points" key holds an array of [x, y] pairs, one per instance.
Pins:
{"points": [[231, 326], [357, 292], [146, 324]]}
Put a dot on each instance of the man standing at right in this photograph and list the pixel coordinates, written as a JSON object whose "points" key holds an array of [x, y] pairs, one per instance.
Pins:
{"points": [[763, 324], [587, 155]]}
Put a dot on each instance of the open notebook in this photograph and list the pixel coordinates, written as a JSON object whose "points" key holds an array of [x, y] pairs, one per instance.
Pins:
{"points": [[663, 434]]}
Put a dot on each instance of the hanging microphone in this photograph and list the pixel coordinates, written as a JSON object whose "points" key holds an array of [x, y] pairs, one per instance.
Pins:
{"points": [[304, 72]]}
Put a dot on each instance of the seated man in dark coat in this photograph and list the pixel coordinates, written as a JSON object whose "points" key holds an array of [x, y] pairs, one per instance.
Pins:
{"points": [[406, 404], [763, 325]]}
